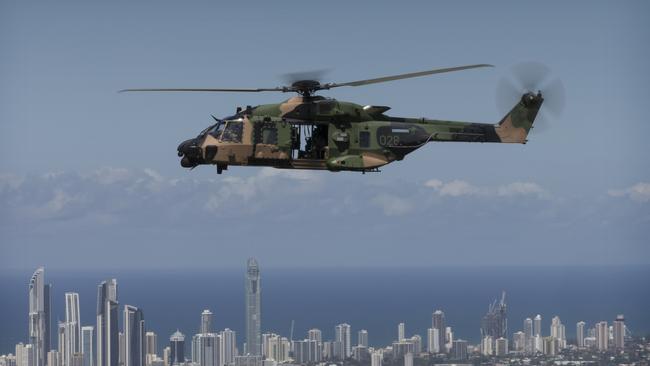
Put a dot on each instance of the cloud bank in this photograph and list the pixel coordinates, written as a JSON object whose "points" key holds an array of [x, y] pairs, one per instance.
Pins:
{"points": [[308, 218]]}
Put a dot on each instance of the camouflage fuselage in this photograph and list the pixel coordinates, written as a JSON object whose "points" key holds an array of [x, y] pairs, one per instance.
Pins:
{"points": [[341, 135]]}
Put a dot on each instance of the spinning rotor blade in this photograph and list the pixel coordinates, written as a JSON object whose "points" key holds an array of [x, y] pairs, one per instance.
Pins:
{"points": [[292, 77], [532, 77], [306, 83], [203, 90], [406, 76]]}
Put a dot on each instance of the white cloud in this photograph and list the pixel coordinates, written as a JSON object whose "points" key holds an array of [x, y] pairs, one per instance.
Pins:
{"points": [[393, 205], [521, 189], [459, 188], [109, 175], [639, 192], [455, 188]]}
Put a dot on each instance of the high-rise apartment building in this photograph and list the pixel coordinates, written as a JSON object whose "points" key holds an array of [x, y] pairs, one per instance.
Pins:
{"points": [[459, 350], [619, 332], [206, 350], [362, 338], [206, 322], [39, 317], [376, 358], [151, 343], [433, 340], [253, 310], [528, 335], [229, 346], [558, 332], [519, 341], [342, 336], [135, 353], [400, 332], [602, 336], [87, 342], [107, 332], [537, 325], [72, 327], [177, 348], [438, 322], [580, 334], [501, 347], [315, 335]]}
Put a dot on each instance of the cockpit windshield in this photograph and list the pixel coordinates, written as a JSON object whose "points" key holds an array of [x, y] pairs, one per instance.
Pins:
{"points": [[216, 130]]}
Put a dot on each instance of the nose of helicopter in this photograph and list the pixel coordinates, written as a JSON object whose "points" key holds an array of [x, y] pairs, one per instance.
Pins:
{"points": [[190, 152]]}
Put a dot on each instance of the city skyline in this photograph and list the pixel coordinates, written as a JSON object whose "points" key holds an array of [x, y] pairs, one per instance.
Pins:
{"points": [[204, 351]]}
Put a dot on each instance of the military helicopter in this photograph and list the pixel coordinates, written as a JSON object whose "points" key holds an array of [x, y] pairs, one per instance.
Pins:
{"points": [[309, 131]]}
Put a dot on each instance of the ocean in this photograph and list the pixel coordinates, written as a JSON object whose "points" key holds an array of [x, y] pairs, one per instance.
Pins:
{"points": [[376, 299]]}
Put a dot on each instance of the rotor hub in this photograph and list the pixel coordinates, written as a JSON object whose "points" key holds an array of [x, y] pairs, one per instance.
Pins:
{"points": [[306, 87]]}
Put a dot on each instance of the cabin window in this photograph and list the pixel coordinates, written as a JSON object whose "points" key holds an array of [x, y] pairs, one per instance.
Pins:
{"points": [[233, 132], [270, 135], [364, 139]]}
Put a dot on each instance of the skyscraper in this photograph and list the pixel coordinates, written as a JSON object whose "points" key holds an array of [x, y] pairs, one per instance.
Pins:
{"points": [[72, 327], [558, 332], [342, 336], [519, 341], [151, 342], [459, 350], [438, 322], [362, 338], [376, 358], [307, 351], [537, 325], [495, 322], [206, 349], [177, 347], [206, 322], [107, 329], [253, 311], [619, 332], [87, 345], [229, 341], [602, 336], [315, 335], [39, 317], [400, 332], [408, 359], [501, 347], [134, 337], [580, 334], [528, 335], [433, 340]]}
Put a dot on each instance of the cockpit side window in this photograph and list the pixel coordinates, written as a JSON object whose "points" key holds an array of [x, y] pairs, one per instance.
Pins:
{"points": [[233, 132], [217, 129]]}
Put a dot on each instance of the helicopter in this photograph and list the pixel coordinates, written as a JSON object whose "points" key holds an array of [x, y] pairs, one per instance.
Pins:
{"points": [[308, 131]]}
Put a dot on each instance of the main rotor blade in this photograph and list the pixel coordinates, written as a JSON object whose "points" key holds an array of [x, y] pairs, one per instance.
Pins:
{"points": [[205, 90], [407, 76]]}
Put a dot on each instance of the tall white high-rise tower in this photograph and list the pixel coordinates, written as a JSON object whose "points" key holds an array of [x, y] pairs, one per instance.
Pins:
{"points": [[107, 320], [72, 328], [39, 317], [253, 310]]}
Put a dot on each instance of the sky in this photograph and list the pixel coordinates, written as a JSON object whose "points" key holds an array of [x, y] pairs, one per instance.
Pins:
{"points": [[89, 178]]}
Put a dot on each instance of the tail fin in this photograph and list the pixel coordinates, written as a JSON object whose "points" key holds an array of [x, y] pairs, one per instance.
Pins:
{"points": [[514, 127]]}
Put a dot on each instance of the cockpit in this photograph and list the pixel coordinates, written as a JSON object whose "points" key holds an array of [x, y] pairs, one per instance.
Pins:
{"points": [[226, 130]]}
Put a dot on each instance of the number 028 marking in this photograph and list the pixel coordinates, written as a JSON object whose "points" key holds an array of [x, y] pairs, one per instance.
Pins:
{"points": [[388, 140]]}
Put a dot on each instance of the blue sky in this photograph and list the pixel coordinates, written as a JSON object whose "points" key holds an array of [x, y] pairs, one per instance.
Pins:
{"points": [[85, 170]]}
